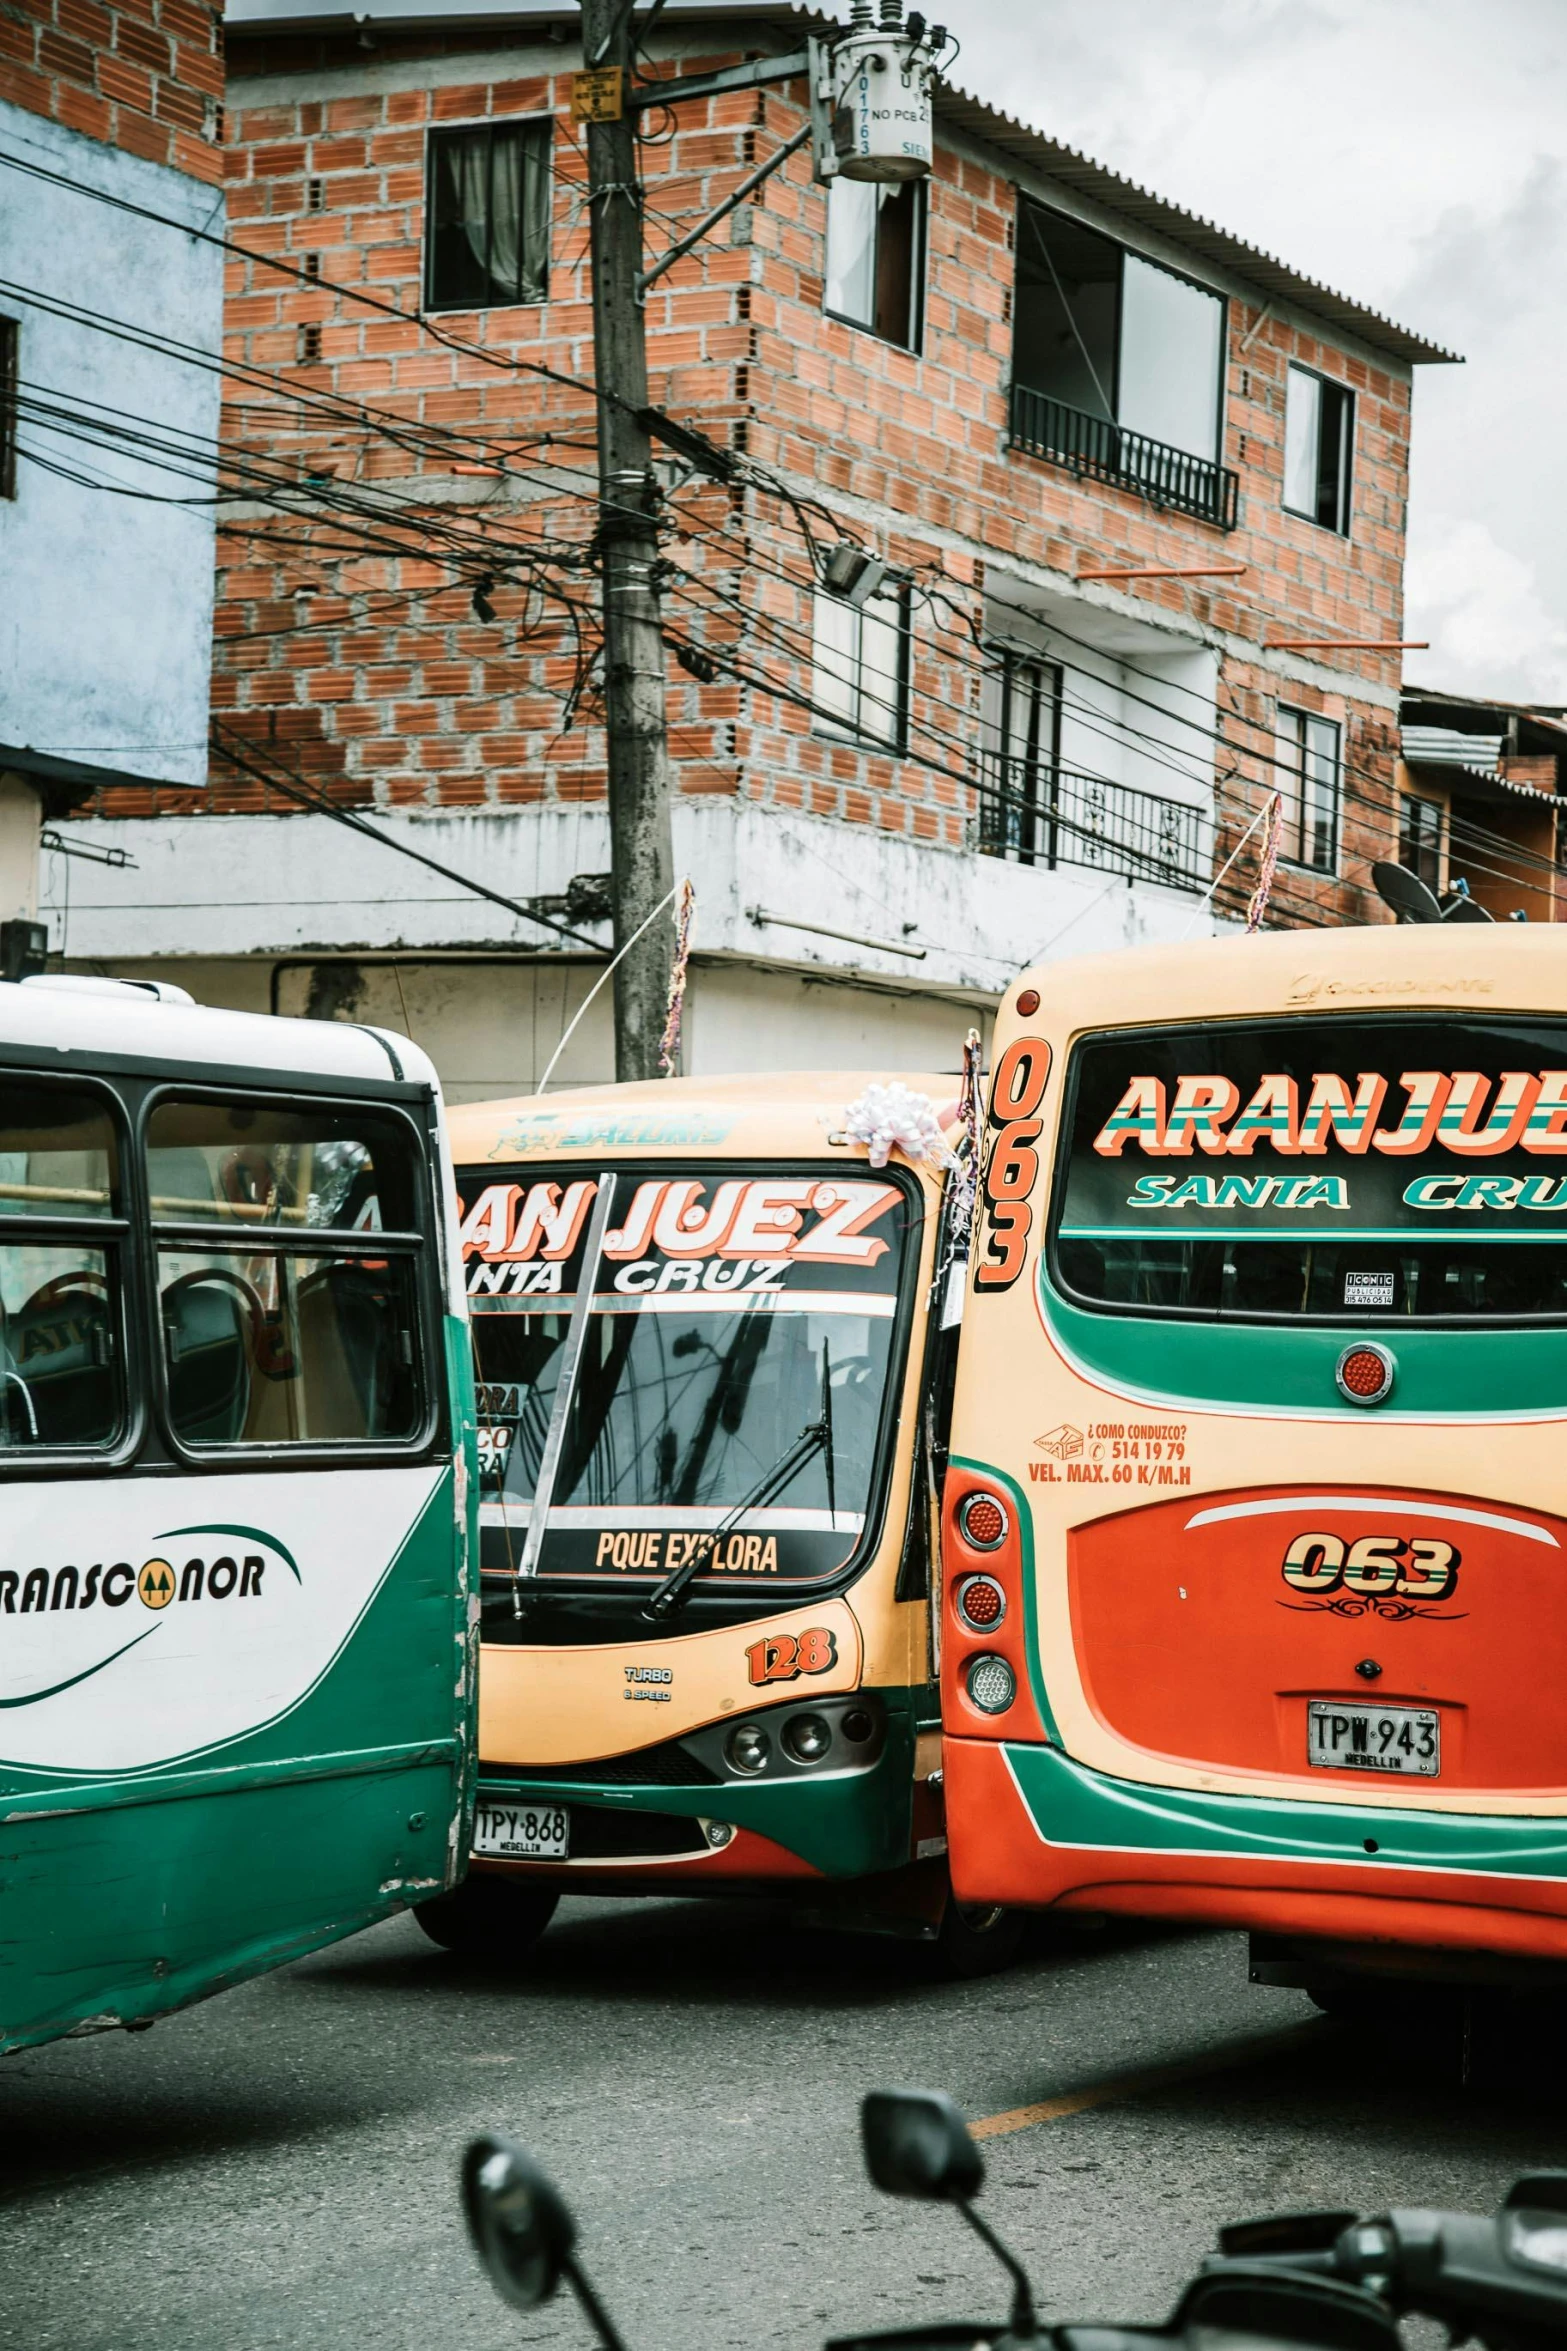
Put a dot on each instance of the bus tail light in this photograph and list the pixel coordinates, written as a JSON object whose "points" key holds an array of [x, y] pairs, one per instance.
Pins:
{"points": [[983, 1521], [981, 1602], [1365, 1372], [990, 1682], [988, 1675]]}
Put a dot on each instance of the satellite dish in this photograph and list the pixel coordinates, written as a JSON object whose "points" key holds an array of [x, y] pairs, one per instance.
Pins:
{"points": [[1406, 893], [1462, 908]]}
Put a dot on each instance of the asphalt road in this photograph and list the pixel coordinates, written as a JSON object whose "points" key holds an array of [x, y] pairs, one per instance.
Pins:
{"points": [[277, 2167]]}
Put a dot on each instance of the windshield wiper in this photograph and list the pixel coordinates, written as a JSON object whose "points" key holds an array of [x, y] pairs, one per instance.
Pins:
{"points": [[816, 1437]]}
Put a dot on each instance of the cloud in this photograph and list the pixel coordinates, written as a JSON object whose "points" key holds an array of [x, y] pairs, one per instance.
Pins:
{"points": [[1491, 629]]}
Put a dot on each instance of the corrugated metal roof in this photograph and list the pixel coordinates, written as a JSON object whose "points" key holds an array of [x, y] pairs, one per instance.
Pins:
{"points": [[1273, 279]]}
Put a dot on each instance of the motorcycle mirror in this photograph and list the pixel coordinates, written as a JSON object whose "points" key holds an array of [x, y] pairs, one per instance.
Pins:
{"points": [[917, 2144], [521, 2228]]}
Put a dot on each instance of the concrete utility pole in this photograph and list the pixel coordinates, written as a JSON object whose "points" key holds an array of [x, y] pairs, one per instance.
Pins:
{"points": [[634, 675]]}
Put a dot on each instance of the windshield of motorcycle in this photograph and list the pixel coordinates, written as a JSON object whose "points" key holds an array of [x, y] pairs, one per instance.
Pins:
{"points": [[732, 1312]]}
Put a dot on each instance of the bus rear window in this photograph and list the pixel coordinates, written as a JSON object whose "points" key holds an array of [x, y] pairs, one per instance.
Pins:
{"points": [[1327, 1170]]}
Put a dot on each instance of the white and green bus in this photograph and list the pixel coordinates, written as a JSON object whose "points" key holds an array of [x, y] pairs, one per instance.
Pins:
{"points": [[237, 1480]]}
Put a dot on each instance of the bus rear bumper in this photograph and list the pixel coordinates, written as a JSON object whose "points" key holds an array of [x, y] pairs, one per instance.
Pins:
{"points": [[1033, 1829]]}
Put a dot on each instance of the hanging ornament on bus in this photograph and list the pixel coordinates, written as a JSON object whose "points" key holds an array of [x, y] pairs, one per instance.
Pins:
{"points": [[873, 117]]}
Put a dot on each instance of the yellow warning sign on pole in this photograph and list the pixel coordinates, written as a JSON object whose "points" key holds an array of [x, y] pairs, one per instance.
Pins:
{"points": [[599, 96]]}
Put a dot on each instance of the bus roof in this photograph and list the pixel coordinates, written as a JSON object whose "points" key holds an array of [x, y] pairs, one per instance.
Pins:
{"points": [[59, 1013], [769, 1114], [1376, 967]]}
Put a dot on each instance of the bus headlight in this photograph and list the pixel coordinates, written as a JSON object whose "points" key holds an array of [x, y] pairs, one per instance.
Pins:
{"points": [[747, 1748], [991, 1684], [807, 1737]]}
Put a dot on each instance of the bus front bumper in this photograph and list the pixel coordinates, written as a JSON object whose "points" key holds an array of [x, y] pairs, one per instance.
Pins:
{"points": [[837, 1824], [1032, 1828]]}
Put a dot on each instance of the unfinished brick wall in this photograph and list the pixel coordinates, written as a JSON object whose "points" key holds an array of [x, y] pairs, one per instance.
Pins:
{"points": [[383, 685], [142, 75]]}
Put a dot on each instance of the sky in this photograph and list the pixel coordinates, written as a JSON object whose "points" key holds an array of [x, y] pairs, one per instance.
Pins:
{"points": [[1409, 153]]}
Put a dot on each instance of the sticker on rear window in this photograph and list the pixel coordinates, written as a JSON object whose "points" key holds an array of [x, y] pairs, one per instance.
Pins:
{"points": [[1368, 1289]]}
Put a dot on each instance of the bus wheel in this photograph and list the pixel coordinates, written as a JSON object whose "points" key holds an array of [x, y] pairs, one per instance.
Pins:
{"points": [[488, 1917], [977, 1939]]}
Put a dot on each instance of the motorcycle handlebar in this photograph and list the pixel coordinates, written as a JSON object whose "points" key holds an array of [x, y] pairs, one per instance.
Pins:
{"points": [[1502, 2278]]}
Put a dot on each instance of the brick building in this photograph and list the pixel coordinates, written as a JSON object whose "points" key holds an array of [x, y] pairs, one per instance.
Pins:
{"points": [[996, 386], [106, 587]]}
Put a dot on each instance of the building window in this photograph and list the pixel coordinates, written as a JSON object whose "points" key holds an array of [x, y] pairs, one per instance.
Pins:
{"points": [[488, 230], [860, 668], [10, 340], [1118, 366], [1421, 824], [876, 257], [1308, 770], [1017, 803], [1319, 435]]}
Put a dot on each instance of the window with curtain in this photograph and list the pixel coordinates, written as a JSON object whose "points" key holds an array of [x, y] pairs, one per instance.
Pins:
{"points": [[1016, 813], [488, 216], [1319, 436], [1308, 773], [1115, 337], [859, 669], [876, 257], [1421, 824]]}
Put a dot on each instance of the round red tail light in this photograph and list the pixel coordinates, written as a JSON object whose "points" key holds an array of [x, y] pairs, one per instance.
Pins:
{"points": [[981, 1602], [1365, 1373], [983, 1522]]}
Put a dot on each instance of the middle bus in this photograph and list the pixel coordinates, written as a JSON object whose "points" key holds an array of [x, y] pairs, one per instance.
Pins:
{"points": [[707, 1363]]}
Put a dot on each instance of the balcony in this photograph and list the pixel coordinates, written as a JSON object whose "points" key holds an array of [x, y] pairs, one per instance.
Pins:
{"points": [[1099, 451], [1040, 815]]}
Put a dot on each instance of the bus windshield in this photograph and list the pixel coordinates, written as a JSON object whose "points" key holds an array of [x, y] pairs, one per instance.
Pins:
{"points": [[1408, 1168], [723, 1303]]}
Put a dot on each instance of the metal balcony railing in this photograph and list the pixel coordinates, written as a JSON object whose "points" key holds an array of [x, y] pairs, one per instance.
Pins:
{"points": [[1050, 816], [1106, 452]]}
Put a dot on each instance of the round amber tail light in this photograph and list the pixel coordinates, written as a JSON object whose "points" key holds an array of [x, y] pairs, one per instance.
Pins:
{"points": [[1365, 1373], [981, 1602], [983, 1522]]}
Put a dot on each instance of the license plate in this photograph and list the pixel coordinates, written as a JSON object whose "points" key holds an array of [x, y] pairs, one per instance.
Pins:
{"points": [[522, 1832], [1373, 1738]]}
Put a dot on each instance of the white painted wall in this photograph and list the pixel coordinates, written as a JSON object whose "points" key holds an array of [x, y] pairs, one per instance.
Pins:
{"points": [[272, 886], [106, 598], [300, 911]]}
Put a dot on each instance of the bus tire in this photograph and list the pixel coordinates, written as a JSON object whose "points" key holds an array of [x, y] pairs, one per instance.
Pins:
{"points": [[488, 1917], [976, 1939]]}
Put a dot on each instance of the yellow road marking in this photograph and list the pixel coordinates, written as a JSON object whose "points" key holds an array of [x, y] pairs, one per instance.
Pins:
{"points": [[1157, 2077]]}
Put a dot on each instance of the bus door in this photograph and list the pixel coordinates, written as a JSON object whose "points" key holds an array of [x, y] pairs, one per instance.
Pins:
{"points": [[234, 1683]]}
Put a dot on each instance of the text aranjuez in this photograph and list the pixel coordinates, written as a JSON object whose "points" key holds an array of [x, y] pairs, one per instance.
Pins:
{"points": [[1465, 1112], [678, 1234]]}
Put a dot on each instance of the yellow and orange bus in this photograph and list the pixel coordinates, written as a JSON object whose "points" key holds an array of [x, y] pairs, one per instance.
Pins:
{"points": [[1254, 1604], [713, 1365]]}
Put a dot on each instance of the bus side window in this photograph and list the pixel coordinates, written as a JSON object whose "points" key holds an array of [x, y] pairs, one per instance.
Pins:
{"points": [[283, 1322], [62, 1375]]}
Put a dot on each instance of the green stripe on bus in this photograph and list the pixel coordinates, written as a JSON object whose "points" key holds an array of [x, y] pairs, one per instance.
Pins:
{"points": [[1165, 1362], [1073, 1806]]}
